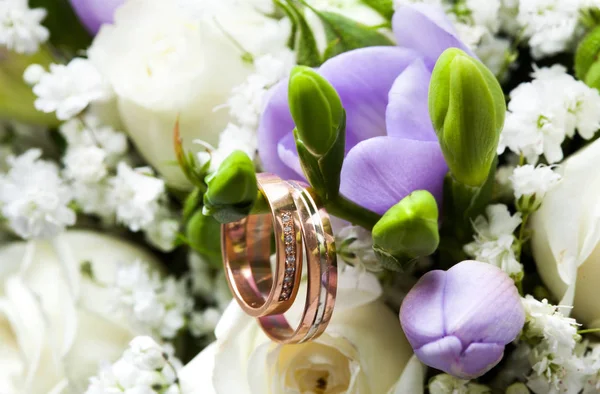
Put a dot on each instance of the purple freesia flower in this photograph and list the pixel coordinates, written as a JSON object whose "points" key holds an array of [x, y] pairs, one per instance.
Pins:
{"points": [[391, 147], [460, 320], [94, 13]]}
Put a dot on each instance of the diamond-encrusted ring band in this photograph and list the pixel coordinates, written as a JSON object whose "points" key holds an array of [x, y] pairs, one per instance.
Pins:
{"points": [[321, 273], [258, 288]]}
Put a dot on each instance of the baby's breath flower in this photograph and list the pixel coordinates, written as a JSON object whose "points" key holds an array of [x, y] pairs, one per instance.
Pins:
{"points": [[21, 27], [136, 195], [494, 239], [68, 89], [34, 198]]}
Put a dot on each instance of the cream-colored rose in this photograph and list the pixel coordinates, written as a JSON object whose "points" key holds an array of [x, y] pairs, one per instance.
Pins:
{"points": [[363, 351], [566, 236], [165, 60], [55, 325]]}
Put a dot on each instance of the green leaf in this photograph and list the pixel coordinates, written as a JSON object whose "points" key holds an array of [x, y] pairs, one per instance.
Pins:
{"points": [[587, 53], [384, 7], [16, 97], [66, 32], [304, 41], [345, 34], [394, 263]]}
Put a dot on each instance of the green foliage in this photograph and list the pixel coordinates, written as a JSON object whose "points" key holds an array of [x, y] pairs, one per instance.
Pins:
{"points": [[384, 7], [345, 34]]}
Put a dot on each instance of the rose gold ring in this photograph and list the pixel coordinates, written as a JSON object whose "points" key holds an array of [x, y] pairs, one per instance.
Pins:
{"points": [[260, 289], [321, 273]]}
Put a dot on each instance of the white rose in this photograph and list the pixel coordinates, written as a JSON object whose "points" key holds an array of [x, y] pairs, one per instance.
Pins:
{"points": [[566, 236], [164, 60], [363, 351], [55, 325]]}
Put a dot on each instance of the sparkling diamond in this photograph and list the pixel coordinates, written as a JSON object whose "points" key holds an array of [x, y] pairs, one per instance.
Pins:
{"points": [[290, 270], [287, 285], [286, 217], [291, 258], [289, 249], [289, 239], [287, 229], [288, 279]]}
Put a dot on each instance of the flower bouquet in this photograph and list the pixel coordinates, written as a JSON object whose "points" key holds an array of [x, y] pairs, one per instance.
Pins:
{"points": [[299, 196]]}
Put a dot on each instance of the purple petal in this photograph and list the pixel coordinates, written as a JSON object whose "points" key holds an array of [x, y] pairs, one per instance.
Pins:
{"points": [[482, 304], [379, 172], [407, 114], [426, 29], [423, 308], [275, 124], [94, 13], [441, 354], [447, 354], [363, 79], [478, 359]]}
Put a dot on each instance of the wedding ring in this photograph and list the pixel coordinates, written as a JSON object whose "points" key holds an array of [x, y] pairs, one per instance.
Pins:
{"points": [[321, 273], [259, 289]]}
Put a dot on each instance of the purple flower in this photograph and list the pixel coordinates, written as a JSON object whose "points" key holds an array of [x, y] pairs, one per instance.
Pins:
{"points": [[459, 320], [94, 13], [391, 147]]}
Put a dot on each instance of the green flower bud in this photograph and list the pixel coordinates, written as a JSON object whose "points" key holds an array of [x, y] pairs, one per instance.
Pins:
{"points": [[316, 109], [406, 231], [320, 129], [232, 189], [203, 233], [467, 108]]}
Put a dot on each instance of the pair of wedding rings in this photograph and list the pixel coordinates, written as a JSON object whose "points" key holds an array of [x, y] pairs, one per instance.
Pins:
{"points": [[301, 227]]}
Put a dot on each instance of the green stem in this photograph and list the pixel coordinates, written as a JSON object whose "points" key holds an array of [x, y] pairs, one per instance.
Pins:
{"points": [[588, 331], [521, 238], [354, 213]]}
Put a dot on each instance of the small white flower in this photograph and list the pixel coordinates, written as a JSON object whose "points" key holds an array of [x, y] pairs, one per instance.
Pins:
{"points": [[528, 180], [89, 131], [591, 361], [68, 90], [548, 24], [34, 198], [485, 13], [158, 306], [134, 372], [231, 139], [494, 239], [162, 232], [85, 164], [355, 246], [555, 375], [146, 354], [136, 194], [543, 112], [20, 26], [33, 73], [544, 320]]}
